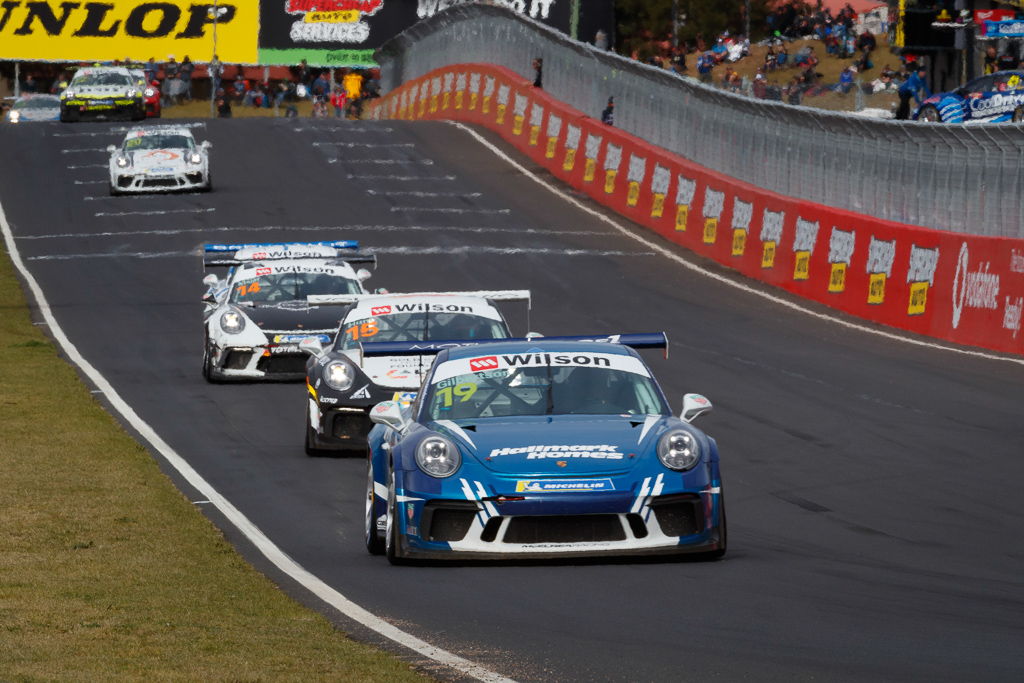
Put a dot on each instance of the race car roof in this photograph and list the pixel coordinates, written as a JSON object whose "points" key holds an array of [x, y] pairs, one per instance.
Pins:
{"points": [[424, 302], [328, 266], [235, 254]]}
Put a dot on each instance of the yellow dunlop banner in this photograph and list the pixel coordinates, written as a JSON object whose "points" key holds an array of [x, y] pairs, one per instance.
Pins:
{"points": [[59, 31]]}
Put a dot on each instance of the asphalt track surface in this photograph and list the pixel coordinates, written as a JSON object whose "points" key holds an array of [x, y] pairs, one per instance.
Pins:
{"points": [[874, 487]]}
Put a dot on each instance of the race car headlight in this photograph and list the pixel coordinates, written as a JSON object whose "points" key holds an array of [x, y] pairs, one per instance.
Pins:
{"points": [[438, 457], [122, 162], [15, 116], [678, 450], [232, 322], [150, 92], [68, 94], [195, 158], [131, 92], [339, 375]]}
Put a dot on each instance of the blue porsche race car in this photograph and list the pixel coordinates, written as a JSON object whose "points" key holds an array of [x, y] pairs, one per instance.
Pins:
{"points": [[994, 98], [544, 447]]}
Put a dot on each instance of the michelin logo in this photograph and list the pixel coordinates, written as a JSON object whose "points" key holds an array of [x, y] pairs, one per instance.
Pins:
{"points": [[598, 452], [561, 486]]}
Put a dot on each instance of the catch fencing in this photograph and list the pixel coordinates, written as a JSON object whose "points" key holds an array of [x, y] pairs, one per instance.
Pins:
{"points": [[959, 178]]}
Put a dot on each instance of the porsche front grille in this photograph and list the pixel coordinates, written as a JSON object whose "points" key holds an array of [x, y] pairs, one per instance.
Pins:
{"points": [[564, 529]]}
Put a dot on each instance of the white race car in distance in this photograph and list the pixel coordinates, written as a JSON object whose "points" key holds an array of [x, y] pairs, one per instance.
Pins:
{"points": [[258, 313], [159, 159], [103, 91]]}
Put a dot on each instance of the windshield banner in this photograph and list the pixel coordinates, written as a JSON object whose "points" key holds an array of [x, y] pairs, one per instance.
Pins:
{"points": [[57, 31]]}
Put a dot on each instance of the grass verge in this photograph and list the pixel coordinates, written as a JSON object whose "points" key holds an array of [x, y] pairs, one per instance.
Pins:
{"points": [[107, 572]]}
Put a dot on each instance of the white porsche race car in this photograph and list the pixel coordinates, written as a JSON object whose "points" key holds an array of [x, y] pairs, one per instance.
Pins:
{"points": [[103, 91], [159, 159], [343, 385], [258, 313]]}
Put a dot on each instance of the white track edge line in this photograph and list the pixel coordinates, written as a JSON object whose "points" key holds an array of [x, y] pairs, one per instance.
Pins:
{"points": [[277, 557], [721, 278]]}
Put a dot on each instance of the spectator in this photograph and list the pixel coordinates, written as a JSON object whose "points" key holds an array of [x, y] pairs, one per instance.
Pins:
{"points": [[353, 84], [608, 115], [216, 70], [705, 63], [185, 74], [151, 70], [912, 88], [538, 72], [321, 87], [760, 86], [29, 84], [371, 86], [991, 60], [223, 103], [794, 91], [339, 99], [601, 40], [845, 84], [678, 60], [170, 86]]}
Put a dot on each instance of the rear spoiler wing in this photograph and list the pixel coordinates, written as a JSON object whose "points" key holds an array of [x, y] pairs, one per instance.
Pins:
{"points": [[490, 295], [643, 340], [237, 254]]}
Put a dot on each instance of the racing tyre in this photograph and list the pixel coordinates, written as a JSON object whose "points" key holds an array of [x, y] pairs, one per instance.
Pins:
{"points": [[1018, 115], [114, 192], [391, 540], [722, 530], [208, 372], [209, 183], [374, 543], [930, 114]]}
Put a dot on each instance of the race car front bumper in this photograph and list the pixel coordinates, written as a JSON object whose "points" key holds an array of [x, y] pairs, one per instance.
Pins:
{"points": [[273, 363], [166, 181], [550, 525], [101, 106]]}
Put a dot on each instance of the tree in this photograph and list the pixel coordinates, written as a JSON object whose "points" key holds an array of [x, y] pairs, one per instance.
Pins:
{"points": [[640, 21]]}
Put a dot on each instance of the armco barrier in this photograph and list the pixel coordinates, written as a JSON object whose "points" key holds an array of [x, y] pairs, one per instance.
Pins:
{"points": [[963, 288]]}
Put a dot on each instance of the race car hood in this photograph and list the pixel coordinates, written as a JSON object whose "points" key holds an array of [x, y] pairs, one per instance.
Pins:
{"points": [[35, 114], [294, 317], [100, 90], [149, 159], [396, 372], [543, 445]]}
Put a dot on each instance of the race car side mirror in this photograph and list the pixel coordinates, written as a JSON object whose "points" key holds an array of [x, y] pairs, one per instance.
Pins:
{"points": [[111, 149], [694, 405], [534, 335], [389, 414], [210, 280], [363, 274], [312, 346], [206, 144]]}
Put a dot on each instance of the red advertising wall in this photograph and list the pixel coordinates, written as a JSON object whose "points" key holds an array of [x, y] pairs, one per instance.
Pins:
{"points": [[962, 288]]}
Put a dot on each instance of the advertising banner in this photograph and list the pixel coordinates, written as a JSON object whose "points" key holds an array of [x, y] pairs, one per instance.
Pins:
{"points": [[346, 32], [58, 31], [1012, 28]]}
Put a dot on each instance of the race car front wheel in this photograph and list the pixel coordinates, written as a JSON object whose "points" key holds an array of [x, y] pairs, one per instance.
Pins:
{"points": [[391, 540], [930, 114], [1018, 115], [374, 543]]}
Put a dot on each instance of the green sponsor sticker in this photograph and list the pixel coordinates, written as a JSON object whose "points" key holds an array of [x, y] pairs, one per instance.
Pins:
{"points": [[292, 56]]}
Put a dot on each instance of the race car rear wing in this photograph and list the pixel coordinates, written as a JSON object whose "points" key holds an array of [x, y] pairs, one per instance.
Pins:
{"points": [[643, 340], [237, 254], [490, 295]]}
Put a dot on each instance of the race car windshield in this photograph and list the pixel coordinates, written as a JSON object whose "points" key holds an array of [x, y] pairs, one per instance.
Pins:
{"points": [[159, 142], [420, 326], [101, 79], [544, 390], [277, 287]]}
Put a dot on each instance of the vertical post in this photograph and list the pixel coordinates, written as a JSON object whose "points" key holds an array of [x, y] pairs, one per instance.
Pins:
{"points": [[213, 91], [675, 24], [17, 79], [746, 19], [574, 20]]}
